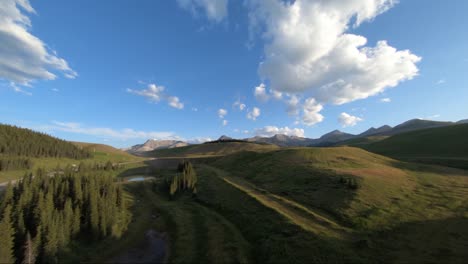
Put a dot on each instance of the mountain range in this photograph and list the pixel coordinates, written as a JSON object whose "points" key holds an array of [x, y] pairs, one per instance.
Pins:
{"points": [[153, 144], [328, 139]]}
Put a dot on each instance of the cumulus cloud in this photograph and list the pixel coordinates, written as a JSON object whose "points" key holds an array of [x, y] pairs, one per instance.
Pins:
{"points": [[309, 49], [270, 131], [222, 113], [123, 134], [240, 105], [276, 95], [254, 113], [225, 122], [24, 58], [347, 120], [260, 93], [263, 95], [156, 93], [215, 10], [311, 112], [293, 105], [175, 102], [385, 100]]}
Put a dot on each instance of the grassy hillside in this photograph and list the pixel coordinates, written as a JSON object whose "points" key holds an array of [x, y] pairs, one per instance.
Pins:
{"points": [[212, 149], [395, 210], [105, 152], [444, 145], [98, 154], [16, 141], [300, 205], [361, 142]]}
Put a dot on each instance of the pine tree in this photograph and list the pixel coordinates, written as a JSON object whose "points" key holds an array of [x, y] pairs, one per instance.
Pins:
{"points": [[76, 224], [7, 240], [29, 256], [7, 197], [50, 240], [67, 219]]}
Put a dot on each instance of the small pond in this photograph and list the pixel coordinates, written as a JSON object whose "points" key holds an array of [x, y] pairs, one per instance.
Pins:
{"points": [[137, 178]]}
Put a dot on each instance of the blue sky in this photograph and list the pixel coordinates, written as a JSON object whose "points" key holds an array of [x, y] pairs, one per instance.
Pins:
{"points": [[126, 71]]}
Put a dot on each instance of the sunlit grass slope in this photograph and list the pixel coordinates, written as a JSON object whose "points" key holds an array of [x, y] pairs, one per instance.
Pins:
{"points": [[106, 152], [390, 200]]}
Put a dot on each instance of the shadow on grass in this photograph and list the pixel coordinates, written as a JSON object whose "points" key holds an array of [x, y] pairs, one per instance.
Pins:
{"points": [[437, 241], [428, 168], [318, 189], [140, 171], [171, 163]]}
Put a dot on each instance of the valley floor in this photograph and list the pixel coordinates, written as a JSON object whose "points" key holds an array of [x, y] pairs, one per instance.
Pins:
{"points": [[291, 206]]}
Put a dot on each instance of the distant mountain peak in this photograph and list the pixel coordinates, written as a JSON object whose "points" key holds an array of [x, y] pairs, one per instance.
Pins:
{"points": [[281, 136], [153, 144], [333, 133], [373, 130], [224, 137]]}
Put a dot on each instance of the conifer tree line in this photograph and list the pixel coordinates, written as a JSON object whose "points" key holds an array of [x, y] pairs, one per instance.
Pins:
{"points": [[40, 215], [15, 163], [15, 141], [184, 180]]}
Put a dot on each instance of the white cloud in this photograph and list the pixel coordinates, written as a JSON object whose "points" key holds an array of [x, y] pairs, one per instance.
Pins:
{"points": [[260, 93], [311, 112], [277, 95], [222, 113], [199, 140], [254, 113], [309, 49], [240, 105], [24, 58], [270, 131], [347, 120], [385, 100], [175, 102], [156, 93], [441, 81], [225, 122], [432, 117], [293, 105], [17, 89], [215, 10], [123, 134]]}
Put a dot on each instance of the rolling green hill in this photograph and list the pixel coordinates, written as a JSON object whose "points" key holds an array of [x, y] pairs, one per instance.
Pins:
{"points": [[317, 205], [361, 141], [212, 149], [444, 145], [106, 152], [374, 206], [16, 141], [23, 150]]}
